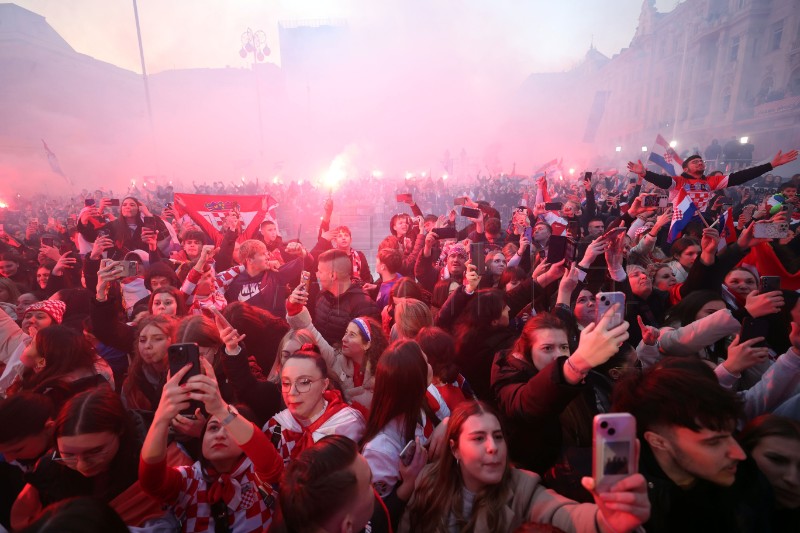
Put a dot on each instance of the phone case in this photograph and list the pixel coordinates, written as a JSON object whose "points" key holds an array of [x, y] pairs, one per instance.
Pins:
{"points": [[606, 300], [613, 449], [407, 455], [179, 355], [771, 230]]}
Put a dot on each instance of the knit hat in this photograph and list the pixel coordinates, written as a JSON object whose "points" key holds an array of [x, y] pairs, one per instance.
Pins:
{"points": [[54, 308], [457, 249], [691, 157]]}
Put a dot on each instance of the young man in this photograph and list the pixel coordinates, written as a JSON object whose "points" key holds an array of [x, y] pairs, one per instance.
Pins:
{"points": [[698, 185], [343, 241], [698, 477], [339, 300], [259, 280], [388, 264], [274, 243]]}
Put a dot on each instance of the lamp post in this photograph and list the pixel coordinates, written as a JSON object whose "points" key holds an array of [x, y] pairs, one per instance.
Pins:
{"points": [[255, 42]]}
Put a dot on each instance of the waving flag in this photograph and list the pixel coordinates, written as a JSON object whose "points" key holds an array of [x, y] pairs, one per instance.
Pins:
{"points": [[209, 211], [727, 231], [684, 212], [52, 160], [664, 157]]}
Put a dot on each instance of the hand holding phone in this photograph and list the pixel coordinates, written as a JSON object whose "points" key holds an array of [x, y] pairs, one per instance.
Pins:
{"points": [[614, 454], [407, 454]]}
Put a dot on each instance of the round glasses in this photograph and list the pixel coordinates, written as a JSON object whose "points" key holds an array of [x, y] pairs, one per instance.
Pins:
{"points": [[302, 385], [72, 459]]}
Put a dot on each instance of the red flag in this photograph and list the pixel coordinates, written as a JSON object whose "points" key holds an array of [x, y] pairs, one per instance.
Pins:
{"points": [[209, 211]]}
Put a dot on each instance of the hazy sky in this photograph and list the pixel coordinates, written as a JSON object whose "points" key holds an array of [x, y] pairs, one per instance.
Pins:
{"points": [[524, 36]]}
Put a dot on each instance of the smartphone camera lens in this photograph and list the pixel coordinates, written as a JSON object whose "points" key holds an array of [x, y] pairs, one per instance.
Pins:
{"points": [[611, 431], [604, 425]]}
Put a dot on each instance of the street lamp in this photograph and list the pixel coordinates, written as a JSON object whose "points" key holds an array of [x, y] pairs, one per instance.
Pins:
{"points": [[644, 148], [618, 148], [744, 140], [255, 42]]}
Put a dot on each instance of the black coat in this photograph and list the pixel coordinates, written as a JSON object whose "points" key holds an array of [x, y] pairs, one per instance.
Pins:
{"points": [[333, 313], [530, 403]]}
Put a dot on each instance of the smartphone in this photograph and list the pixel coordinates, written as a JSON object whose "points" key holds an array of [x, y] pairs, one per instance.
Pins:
{"points": [[769, 284], [305, 278], [651, 200], [573, 229], [613, 449], [179, 356], [587, 176], [561, 247], [217, 313], [461, 200], [470, 212], [105, 262], [553, 206], [445, 233], [606, 300], [168, 205], [113, 202], [407, 454], [403, 198], [48, 241], [102, 233], [529, 233], [771, 230], [150, 223], [129, 268], [89, 202], [478, 257]]}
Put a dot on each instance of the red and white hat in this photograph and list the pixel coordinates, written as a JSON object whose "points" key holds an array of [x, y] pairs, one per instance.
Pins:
{"points": [[54, 308]]}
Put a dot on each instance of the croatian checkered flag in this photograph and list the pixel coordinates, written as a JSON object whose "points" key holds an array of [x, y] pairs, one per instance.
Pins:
{"points": [[209, 211]]}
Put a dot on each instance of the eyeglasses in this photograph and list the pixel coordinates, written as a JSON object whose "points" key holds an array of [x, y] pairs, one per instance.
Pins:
{"points": [[302, 385], [90, 457]]}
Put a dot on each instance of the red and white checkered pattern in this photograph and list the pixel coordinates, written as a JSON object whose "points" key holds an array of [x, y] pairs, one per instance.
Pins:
{"points": [[699, 190], [250, 515]]}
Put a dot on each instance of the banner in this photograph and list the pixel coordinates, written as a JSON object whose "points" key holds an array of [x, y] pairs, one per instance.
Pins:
{"points": [[209, 211]]}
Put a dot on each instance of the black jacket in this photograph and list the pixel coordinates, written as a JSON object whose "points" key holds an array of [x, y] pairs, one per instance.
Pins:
{"points": [[530, 403], [334, 313]]}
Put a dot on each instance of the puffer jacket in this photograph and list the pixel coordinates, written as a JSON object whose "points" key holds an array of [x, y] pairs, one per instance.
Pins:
{"points": [[333, 313]]}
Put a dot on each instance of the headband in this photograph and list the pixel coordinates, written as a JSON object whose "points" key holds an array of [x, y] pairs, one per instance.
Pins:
{"points": [[362, 325]]}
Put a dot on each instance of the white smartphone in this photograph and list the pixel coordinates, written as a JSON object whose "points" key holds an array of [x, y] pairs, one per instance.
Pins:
{"points": [[605, 301], [613, 449], [407, 455]]}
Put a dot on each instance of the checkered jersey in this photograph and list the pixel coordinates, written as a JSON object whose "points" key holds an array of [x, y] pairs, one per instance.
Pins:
{"points": [[699, 190], [247, 511]]}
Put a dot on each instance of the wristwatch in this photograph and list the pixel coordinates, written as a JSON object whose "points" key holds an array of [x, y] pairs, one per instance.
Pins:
{"points": [[232, 414]]}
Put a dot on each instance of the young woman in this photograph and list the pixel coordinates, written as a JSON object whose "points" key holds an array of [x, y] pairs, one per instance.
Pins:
{"points": [[126, 231], [536, 379], [495, 266], [312, 411], [167, 301], [353, 365], [97, 454], [148, 371], [223, 490], [60, 362], [684, 252], [474, 488], [399, 415], [410, 315]]}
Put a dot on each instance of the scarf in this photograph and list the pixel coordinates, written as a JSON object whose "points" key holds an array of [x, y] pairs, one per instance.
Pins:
{"points": [[305, 438], [356, 262], [225, 487]]}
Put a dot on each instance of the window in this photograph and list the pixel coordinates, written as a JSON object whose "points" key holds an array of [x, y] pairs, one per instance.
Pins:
{"points": [[794, 83], [755, 48], [734, 48], [777, 35]]}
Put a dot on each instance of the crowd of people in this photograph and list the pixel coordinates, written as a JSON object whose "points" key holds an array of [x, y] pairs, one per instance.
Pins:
{"points": [[173, 380]]}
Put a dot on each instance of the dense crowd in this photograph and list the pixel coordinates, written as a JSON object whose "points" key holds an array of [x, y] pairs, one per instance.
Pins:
{"points": [[156, 377]]}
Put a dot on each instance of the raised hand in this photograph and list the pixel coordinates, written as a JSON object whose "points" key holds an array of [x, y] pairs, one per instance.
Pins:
{"points": [[598, 342], [650, 334], [781, 158], [763, 304], [743, 355], [63, 263], [471, 278], [637, 168]]}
